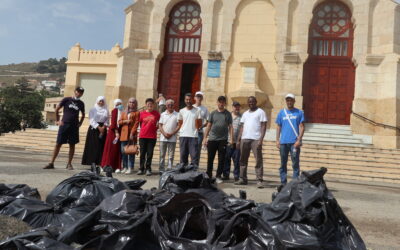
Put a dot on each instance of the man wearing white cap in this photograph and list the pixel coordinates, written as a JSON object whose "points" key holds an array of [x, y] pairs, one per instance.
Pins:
{"points": [[289, 134], [198, 97]]}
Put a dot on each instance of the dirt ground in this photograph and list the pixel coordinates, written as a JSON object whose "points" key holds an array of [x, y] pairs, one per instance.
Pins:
{"points": [[373, 208]]}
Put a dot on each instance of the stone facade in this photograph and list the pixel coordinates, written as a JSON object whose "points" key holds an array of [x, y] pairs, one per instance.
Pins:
{"points": [[270, 36]]}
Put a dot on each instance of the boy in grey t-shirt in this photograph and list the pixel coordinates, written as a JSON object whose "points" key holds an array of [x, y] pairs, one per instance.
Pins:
{"points": [[218, 127]]}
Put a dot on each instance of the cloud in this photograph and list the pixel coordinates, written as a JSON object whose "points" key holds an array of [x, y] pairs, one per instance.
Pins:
{"points": [[71, 11], [3, 31], [7, 4]]}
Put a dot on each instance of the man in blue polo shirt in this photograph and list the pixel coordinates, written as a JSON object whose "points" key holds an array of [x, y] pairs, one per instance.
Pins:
{"points": [[289, 133]]}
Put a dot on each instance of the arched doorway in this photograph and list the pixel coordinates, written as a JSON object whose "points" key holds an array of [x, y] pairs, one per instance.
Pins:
{"points": [[180, 68], [329, 73]]}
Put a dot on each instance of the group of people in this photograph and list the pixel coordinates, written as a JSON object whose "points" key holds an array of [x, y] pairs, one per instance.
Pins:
{"points": [[230, 133]]}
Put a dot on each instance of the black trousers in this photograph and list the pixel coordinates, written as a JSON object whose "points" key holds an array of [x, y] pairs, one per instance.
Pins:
{"points": [[213, 147], [146, 152]]}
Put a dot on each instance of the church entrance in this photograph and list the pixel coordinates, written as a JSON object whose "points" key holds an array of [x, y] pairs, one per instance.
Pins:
{"points": [[180, 68], [329, 73]]}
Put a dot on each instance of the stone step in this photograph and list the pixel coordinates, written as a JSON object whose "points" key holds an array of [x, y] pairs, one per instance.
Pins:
{"points": [[327, 126], [380, 156], [327, 131]]}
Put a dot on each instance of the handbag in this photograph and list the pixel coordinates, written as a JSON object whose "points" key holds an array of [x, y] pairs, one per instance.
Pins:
{"points": [[131, 149]]}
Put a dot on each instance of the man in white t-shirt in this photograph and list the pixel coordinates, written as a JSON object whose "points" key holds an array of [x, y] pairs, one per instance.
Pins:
{"points": [[189, 121], [251, 137], [168, 125], [198, 97]]}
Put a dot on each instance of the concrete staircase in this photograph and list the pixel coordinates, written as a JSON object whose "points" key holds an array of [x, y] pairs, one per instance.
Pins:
{"points": [[344, 162], [340, 135]]}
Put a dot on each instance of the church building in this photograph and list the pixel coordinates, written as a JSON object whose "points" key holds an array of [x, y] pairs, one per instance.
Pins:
{"points": [[339, 57]]}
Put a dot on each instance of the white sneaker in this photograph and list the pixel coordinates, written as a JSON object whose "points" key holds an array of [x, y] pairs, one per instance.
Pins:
{"points": [[124, 171], [129, 171], [218, 180], [118, 171]]}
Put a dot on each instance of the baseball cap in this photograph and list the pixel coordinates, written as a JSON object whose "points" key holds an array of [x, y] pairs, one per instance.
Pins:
{"points": [[290, 95], [235, 103], [80, 89], [199, 93]]}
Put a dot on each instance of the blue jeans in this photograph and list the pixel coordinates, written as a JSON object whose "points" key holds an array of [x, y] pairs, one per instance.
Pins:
{"points": [[284, 151], [126, 157], [232, 154]]}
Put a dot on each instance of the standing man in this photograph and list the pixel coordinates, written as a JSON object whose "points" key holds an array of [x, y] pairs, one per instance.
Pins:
{"points": [[289, 134], [148, 120], [168, 127], [219, 127], [161, 103], [251, 137], [233, 149], [68, 131], [190, 121], [199, 96]]}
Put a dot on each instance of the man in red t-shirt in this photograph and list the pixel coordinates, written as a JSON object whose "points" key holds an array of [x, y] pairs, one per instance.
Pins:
{"points": [[148, 136]]}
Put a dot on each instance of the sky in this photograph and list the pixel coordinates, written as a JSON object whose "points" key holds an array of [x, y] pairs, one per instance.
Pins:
{"points": [[34, 30]]}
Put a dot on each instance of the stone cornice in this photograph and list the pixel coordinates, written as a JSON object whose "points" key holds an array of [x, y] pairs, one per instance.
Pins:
{"points": [[374, 60]]}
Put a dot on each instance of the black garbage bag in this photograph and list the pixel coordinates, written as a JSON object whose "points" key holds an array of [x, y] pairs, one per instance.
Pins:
{"points": [[19, 190], [135, 184], [41, 238], [85, 189], [122, 221], [37, 213], [186, 179], [305, 215]]}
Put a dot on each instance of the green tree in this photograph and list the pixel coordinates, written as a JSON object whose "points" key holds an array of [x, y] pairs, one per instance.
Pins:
{"points": [[17, 105]]}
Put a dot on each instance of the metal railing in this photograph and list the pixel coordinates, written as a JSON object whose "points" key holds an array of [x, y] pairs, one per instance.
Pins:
{"points": [[374, 123]]}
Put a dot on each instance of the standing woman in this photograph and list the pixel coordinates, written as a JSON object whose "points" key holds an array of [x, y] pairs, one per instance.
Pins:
{"points": [[112, 153], [97, 132], [129, 123]]}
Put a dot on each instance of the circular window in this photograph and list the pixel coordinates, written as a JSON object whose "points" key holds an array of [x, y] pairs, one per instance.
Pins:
{"points": [[331, 18], [185, 18]]}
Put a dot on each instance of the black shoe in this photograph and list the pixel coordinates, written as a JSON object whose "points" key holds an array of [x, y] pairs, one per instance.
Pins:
{"points": [[93, 167], [49, 166], [225, 178], [279, 188], [109, 171]]}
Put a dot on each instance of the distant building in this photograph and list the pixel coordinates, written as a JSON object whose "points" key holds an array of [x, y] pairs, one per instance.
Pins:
{"points": [[48, 84], [49, 114]]}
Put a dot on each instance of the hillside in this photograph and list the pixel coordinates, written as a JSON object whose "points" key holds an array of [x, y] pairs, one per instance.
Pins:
{"points": [[12, 72]]}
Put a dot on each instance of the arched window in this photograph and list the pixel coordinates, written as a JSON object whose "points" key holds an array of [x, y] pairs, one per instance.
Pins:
{"points": [[184, 31], [331, 31]]}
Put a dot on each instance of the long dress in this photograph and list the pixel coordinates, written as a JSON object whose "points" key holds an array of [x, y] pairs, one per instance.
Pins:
{"points": [[112, 152], [94, 145]]}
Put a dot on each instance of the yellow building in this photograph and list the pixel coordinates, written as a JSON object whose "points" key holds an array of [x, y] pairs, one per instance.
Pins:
{"points": [[339, 57]]}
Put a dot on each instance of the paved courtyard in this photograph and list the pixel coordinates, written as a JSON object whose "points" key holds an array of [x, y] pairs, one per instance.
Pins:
{"points": [[374, 208]]}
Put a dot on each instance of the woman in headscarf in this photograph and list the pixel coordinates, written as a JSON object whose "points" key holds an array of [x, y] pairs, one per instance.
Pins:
{"points": [[97, 132], [129, 123], [112, 150]]}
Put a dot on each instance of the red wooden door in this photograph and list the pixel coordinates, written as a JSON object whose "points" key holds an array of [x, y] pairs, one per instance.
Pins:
{"points": [[329, 73], [182, 46], [328, 92]]}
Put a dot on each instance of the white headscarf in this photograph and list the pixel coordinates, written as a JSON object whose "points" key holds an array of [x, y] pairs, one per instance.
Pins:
{"points": [[99, 113], [100, 108], [118, 101]]}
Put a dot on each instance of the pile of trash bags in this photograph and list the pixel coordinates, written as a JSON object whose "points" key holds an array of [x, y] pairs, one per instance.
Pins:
{"points": [[186, 211]]}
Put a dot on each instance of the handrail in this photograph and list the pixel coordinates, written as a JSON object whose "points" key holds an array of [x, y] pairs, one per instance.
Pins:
{"points": [[374, 123]]}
